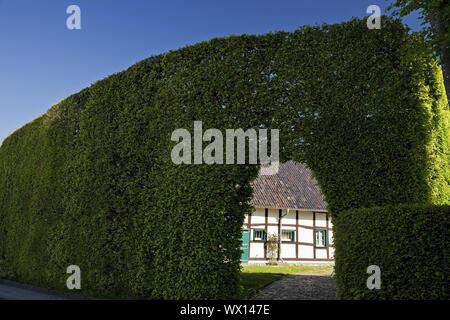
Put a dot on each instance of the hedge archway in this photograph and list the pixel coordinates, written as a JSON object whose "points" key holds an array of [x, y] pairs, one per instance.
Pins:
{"points": [[91, 182]]}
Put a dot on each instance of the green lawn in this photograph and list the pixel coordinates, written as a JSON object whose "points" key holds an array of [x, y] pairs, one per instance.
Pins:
{"points": [[255, 277]]}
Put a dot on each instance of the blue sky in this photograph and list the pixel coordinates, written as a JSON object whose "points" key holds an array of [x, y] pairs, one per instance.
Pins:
{"points": [[42, 62]]}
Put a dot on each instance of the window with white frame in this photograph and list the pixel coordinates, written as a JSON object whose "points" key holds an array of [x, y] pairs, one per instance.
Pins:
{"points": [[288, 235], [259, 235], [320, 236]]}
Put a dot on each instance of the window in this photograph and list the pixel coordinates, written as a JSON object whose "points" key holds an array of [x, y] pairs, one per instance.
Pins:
{"points": [[320, 237], [288, 235], [259, 235]]}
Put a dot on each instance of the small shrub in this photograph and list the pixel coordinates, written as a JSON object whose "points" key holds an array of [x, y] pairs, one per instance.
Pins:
{"points": [[272, 245]]}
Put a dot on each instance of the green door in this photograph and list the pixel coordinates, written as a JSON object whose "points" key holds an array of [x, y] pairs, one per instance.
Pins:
{"points": [[244, 246]]}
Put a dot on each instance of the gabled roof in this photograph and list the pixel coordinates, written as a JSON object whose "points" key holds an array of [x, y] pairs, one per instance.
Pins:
{"points": [[292, 187]]}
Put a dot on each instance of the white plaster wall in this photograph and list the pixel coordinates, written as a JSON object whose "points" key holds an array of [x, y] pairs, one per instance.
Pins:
{"points": [[257, 250], [287, 250], [273, 216], [258, 216], [271, 230], [289, 218], [305, 218], [331, 252], [321, 253], [321, 219], [305, 252], [305, 235]]}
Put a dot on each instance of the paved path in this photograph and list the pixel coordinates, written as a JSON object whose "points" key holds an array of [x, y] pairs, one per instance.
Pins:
{"points": [[15, 291], [292, 287], [299, 287]]}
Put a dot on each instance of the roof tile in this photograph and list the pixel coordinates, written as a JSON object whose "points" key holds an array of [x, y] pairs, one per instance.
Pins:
{"points": [[292, 187]]}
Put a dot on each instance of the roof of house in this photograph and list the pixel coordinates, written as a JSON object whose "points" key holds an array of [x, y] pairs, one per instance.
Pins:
{"points": [[292, 187]]}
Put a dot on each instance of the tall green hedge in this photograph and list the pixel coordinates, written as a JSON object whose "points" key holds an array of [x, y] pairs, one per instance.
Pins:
{"points": [[91, 182], [409, 243]]}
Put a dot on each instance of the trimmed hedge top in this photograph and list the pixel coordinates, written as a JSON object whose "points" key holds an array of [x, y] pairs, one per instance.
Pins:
{"points": [[91, 182]]}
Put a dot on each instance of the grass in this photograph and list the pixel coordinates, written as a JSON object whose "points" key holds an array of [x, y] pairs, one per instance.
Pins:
{"points": [[256, 277]]}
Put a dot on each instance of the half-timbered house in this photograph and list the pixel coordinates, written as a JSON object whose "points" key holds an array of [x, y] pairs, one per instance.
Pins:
{"points": [[289, 204]]}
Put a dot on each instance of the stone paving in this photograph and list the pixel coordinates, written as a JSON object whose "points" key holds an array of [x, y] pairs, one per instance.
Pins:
{"points": [[299, 287], [10, 290]]}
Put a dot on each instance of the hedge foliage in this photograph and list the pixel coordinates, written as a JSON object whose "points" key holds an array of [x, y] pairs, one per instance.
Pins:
{"points": [[91, 182], [410, 244]]}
